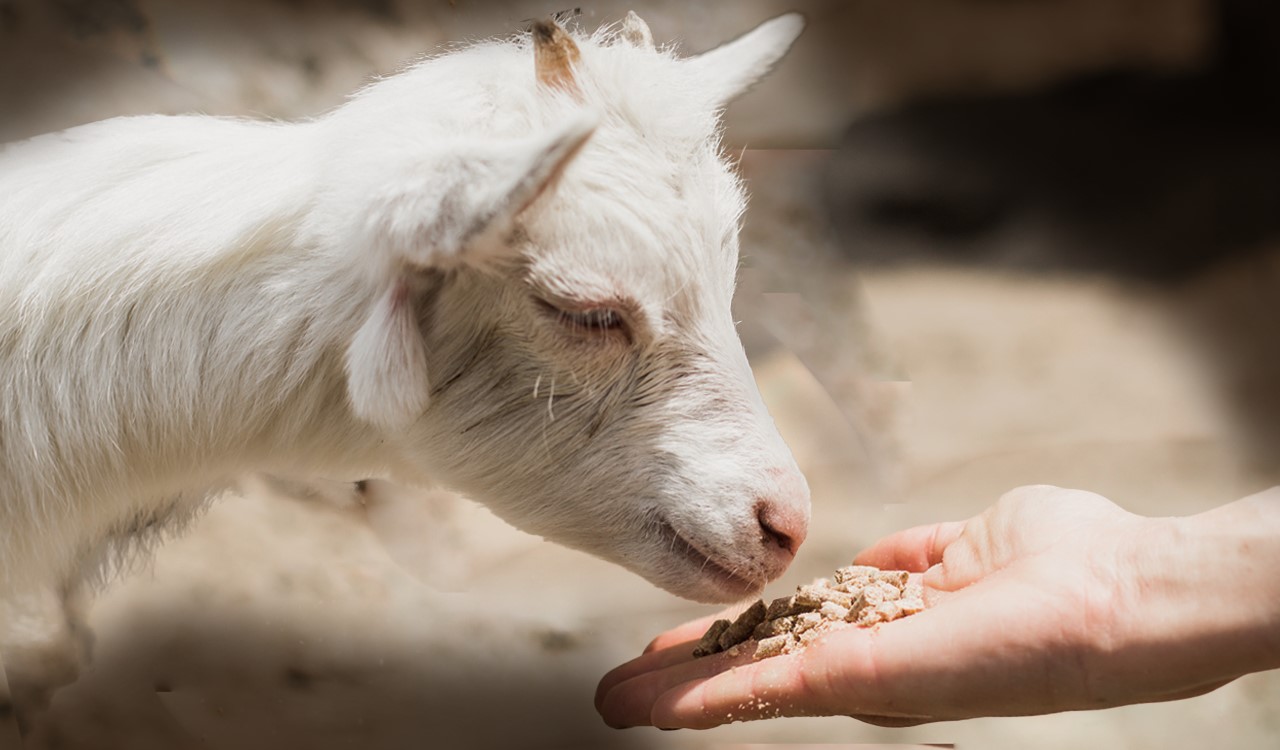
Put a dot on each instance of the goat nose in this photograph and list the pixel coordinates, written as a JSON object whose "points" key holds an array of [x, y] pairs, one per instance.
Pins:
{"points": [[782, 526], [784, 519]]}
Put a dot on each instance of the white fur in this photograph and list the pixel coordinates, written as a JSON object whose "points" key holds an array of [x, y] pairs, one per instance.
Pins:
{"points": [[185, 300]]}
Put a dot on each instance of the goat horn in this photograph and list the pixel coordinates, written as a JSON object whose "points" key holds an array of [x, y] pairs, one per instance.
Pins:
{"points": [[554, 56], [636, 31]]}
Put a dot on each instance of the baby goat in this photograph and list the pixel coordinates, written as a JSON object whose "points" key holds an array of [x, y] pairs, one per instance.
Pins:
{"points": [[506, 270]]}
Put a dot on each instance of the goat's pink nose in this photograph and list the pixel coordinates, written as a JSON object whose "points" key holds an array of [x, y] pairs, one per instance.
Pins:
{"points": [[784, 518]]}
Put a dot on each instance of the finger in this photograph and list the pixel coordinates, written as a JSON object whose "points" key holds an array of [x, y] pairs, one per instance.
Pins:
{"points": [[775, 687], [651, 661], [765, 689], [678, 642], [892, 722], [630, 702], [963, 564], [1193, 692], [690, 631], [914, 549]]}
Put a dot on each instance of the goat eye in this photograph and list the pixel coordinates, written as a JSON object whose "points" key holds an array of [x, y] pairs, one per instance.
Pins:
{"points": [[589, 320], [598, 318]]}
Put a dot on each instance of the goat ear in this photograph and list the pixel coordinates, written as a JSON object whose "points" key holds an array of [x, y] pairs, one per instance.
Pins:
{"points": [[636, 31], [467, 205], [730, 69], [463, 216], [387, 363], [520, 177]]}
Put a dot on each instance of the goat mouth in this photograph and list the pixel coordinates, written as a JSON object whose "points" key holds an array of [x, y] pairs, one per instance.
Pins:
{"points": [[707, 565]]}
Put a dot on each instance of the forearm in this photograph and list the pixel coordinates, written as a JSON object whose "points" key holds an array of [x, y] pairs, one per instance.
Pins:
{"points": [[1204, 604], [1239, 545]]}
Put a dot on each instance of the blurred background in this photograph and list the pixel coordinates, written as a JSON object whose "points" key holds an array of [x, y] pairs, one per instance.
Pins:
{"points": [[991, 243]]}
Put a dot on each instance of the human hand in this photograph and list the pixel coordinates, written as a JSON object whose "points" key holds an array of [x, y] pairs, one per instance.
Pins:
{"points": [[1051, 600]]}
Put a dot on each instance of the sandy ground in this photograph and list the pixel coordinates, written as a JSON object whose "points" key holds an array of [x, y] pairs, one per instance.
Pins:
{"points": [[908, 396]]}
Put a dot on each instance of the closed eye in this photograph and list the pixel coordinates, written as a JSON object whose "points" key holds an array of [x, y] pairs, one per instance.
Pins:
{"points": [[600, 318], [587, 320]]}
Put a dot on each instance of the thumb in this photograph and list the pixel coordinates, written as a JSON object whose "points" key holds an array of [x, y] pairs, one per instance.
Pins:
{"points": [[916, 549]]}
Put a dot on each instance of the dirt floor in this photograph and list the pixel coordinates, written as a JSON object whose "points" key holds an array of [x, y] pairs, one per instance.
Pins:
{"points": [[909, 396]]}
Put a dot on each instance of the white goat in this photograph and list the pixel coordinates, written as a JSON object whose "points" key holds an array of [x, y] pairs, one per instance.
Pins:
{"points": [[506, 270]]}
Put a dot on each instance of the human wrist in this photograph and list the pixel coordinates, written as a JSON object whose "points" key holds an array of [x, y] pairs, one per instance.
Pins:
{"points": [[1200, 601], [1240, 544]]}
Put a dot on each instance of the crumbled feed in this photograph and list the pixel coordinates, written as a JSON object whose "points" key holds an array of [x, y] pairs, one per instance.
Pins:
{"points": [[771, 628], [741, 628], [710, 639], [815, 596], [882, 612], [859, 574], [895, 578], [809, 636], [785, 607], [833, 611], [891, 592], [857, 595], [773, 646], [807, 621], [871, 596]]}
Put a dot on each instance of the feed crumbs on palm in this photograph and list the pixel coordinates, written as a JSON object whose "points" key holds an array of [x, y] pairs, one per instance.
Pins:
{"points": [[856, 596]]}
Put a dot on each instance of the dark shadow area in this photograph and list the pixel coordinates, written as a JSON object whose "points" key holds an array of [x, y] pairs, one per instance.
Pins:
{"points": [[226, 680], [1145, 176]]}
